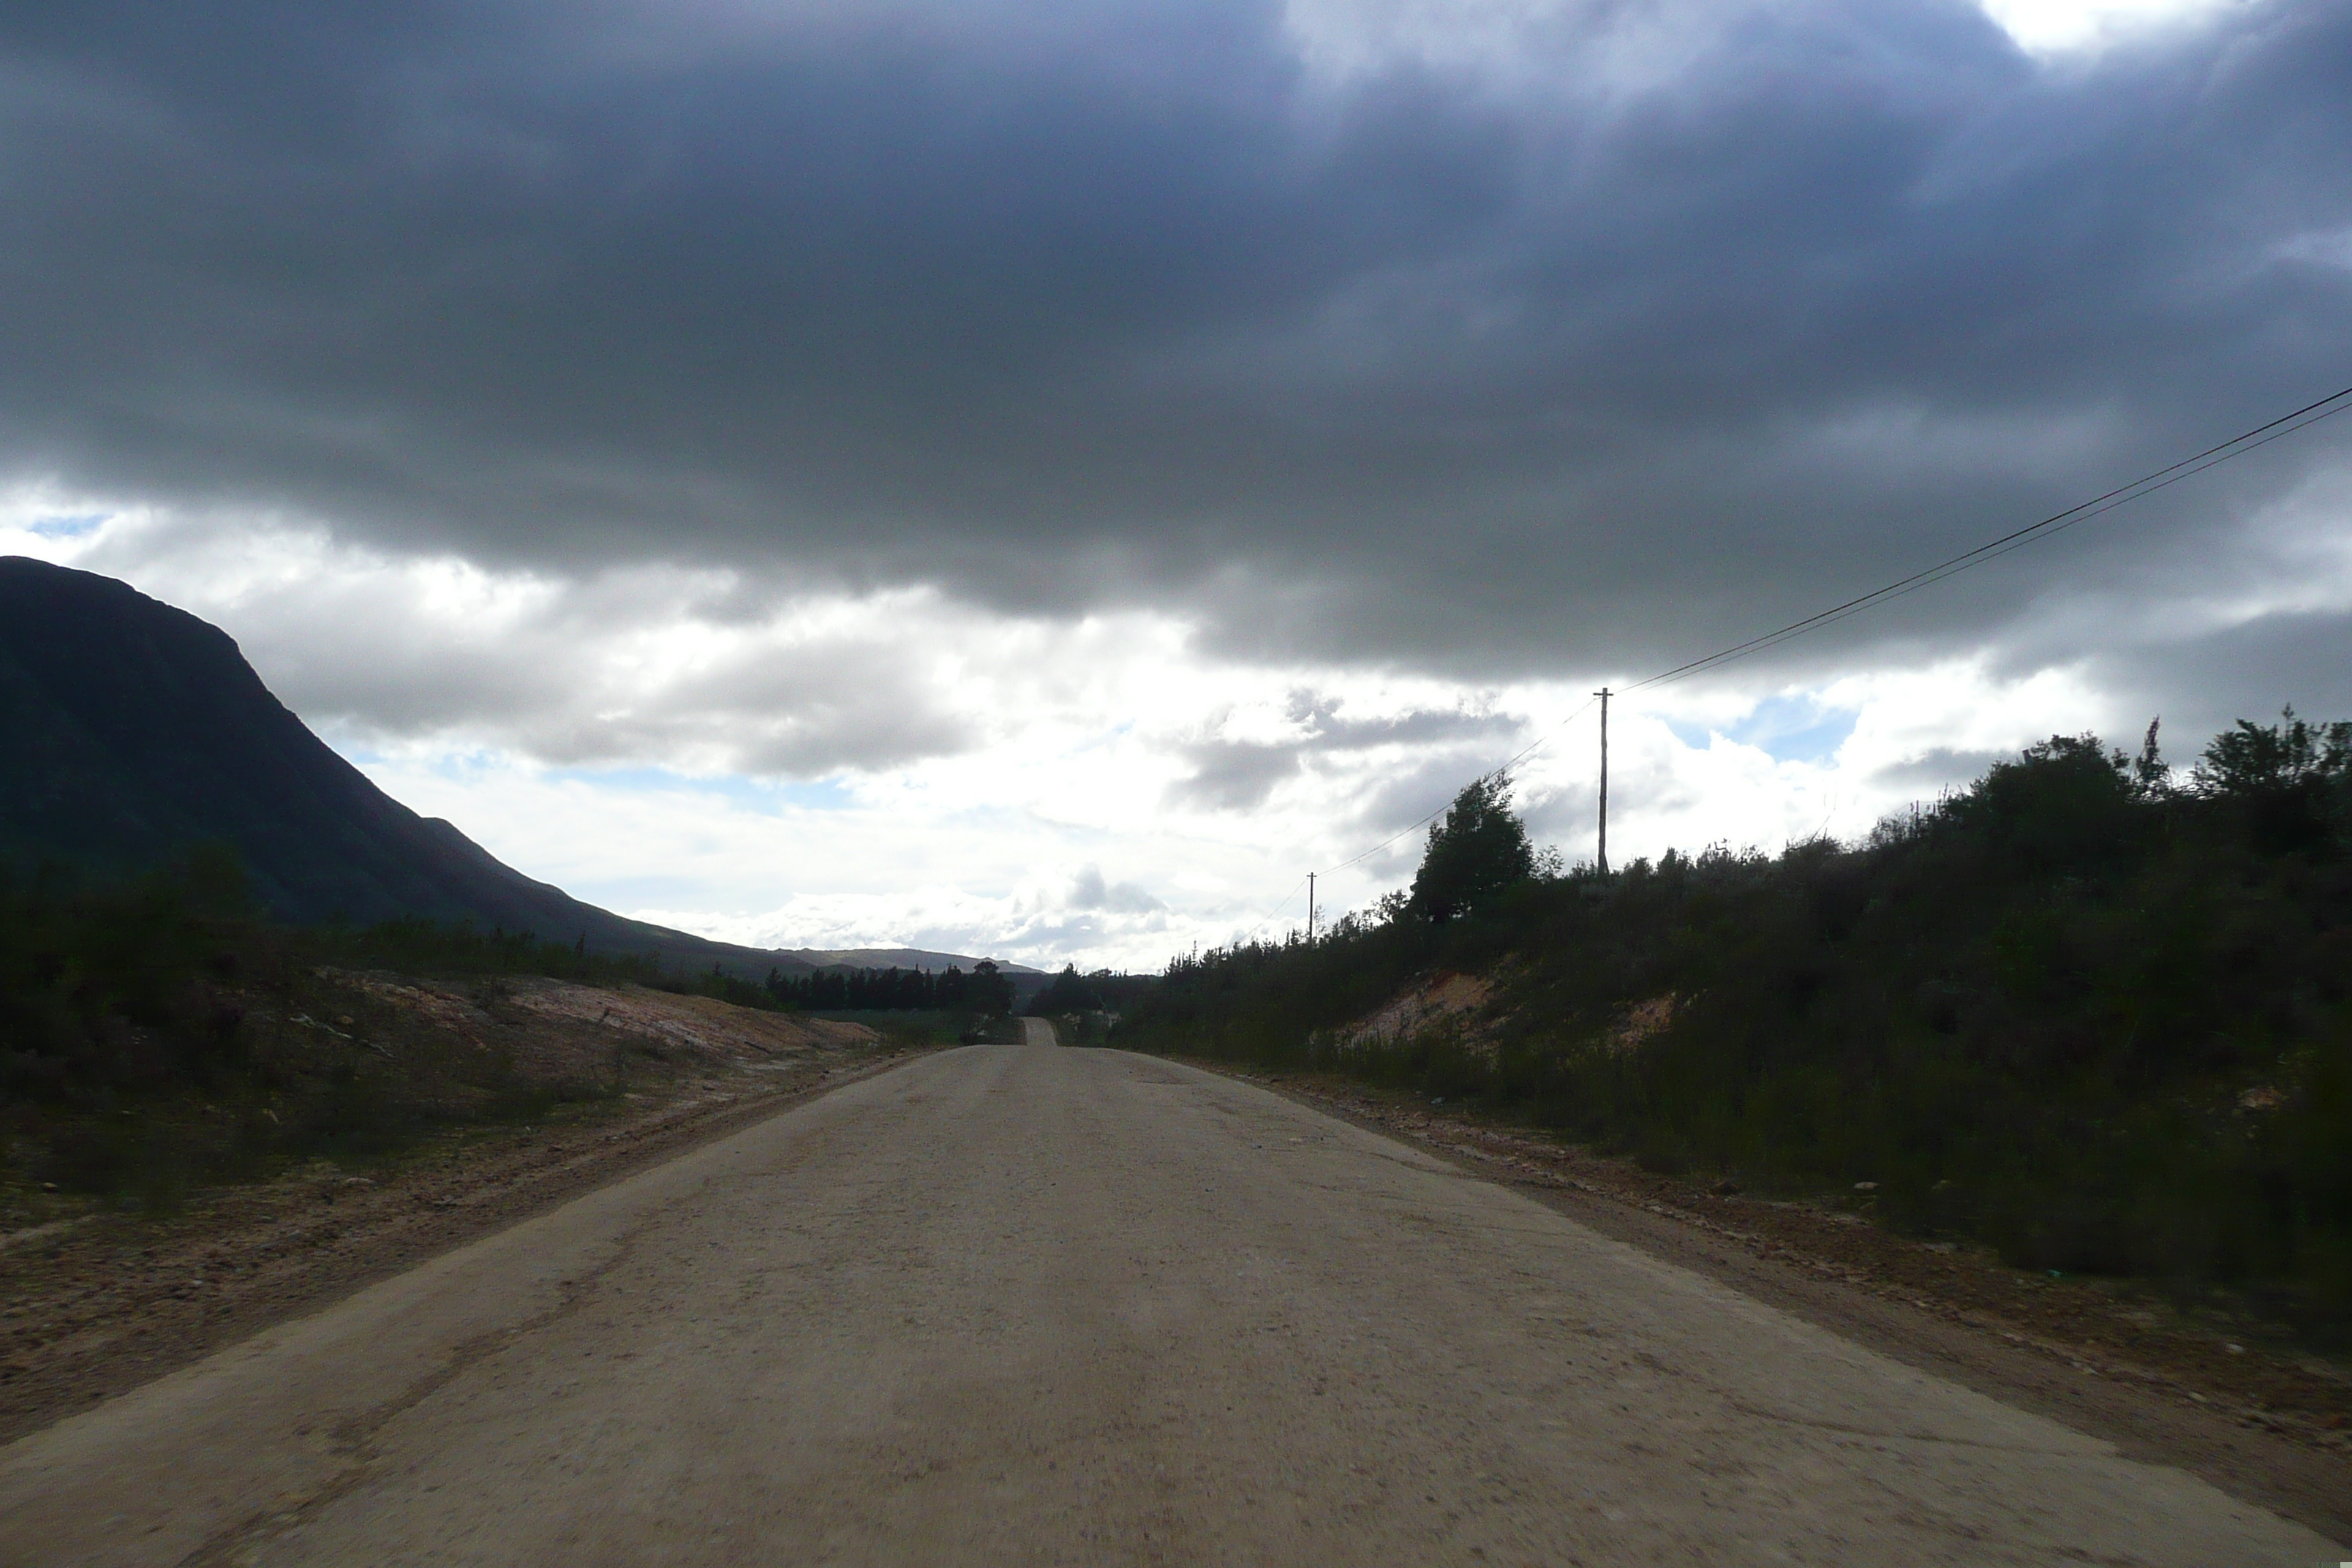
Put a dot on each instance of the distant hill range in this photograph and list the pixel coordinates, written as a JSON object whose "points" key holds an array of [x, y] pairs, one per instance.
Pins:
{"points": [[892, 957], [130, 730]]}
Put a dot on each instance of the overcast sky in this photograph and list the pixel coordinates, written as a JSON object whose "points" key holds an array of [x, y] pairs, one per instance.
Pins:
{"points": [[1040, 479]]}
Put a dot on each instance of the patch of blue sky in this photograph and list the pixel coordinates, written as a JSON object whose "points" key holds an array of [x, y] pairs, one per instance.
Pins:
{"points": [[1786, 729], [66, 527], [752, 793], [1794, 729], [1103, 739], [817, 795], [1697, 737], [464, 766]]}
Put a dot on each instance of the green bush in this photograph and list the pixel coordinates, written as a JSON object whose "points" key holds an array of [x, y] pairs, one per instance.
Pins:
{"points": [[131, 1064], [2099, 1021]]}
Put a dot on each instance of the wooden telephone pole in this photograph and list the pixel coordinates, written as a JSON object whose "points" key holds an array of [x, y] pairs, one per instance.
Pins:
{"points": [[1604, 695], [1310, 909]]}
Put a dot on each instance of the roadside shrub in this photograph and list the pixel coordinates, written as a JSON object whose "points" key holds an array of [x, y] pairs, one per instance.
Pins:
{"points": [[2099, 1021], [156, 1033]]}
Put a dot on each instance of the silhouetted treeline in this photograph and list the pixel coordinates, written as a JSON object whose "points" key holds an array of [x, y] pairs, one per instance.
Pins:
{"points": [[1100, 991], [435, 947], [2091, 1012], [986, 991]]}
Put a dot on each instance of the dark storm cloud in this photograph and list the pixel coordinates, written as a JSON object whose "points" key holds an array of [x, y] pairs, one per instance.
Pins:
{"points": [[2202, 685], [569, 680], [1938, 768], [1238, 775], [1055, 306], [1234, 776]]}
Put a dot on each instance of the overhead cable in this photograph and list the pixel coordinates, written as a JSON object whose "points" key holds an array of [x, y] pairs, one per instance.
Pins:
{"points": [[2236, 445]]}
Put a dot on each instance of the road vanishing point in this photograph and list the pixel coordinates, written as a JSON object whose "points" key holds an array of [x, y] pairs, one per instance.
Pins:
{"points": [[1034, 1305]]}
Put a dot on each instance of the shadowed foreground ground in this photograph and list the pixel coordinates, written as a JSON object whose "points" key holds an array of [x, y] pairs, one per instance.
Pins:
{"points": [[1021, 1304]]}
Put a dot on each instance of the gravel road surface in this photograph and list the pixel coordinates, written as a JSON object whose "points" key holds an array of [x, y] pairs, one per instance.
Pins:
{"points": [[1024, 1304]]}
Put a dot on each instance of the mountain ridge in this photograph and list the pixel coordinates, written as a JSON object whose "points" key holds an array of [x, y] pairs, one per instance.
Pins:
{"points": [[136, 730]]}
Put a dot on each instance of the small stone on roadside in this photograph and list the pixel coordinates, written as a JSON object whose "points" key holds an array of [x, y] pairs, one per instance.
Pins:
{"points": [[1865, 1186]]}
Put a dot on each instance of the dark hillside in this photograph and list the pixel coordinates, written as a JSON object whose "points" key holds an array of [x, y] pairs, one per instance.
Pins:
{"points": [[2097, 1018], [134, 730]]}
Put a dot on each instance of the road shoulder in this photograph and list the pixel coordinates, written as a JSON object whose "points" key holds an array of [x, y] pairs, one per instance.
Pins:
{"points": [[100, 1308], [2261, 1428]]}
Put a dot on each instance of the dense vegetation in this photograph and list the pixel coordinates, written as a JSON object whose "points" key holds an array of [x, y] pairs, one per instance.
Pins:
{"points": [[985, 992], [1073, 993], [2095, 1014], [158, 1033]]}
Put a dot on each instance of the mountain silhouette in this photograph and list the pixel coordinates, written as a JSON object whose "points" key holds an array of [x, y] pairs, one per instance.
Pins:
{"points": [[130, 732]]}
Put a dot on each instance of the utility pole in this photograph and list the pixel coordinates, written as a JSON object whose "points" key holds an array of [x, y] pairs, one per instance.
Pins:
{"points": [[1310, 909], [1604, 695]]}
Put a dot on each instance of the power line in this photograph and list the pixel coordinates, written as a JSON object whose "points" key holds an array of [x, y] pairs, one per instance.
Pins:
{"points": [[2237, 445], [1992, 550], [1601, 859], [1271, 915]]}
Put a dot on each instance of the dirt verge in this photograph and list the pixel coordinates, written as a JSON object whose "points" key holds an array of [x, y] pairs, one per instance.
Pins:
{"points": [[99, 1301], [2264, 1423]]}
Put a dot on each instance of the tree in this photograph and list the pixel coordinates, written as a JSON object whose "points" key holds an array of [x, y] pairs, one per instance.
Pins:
{"points": [[2266, 758], [1476, 851], [2067, 805], [1069, 993], [2287, 782], [989, 992], [2155, 778]]}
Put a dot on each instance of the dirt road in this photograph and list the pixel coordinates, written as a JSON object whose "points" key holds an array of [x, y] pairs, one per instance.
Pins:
{"points": [[1023, 1304]]}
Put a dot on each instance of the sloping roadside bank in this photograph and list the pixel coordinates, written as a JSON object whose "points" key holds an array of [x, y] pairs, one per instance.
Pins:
{"points": [[100, 1306], [2271, 1428]]}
